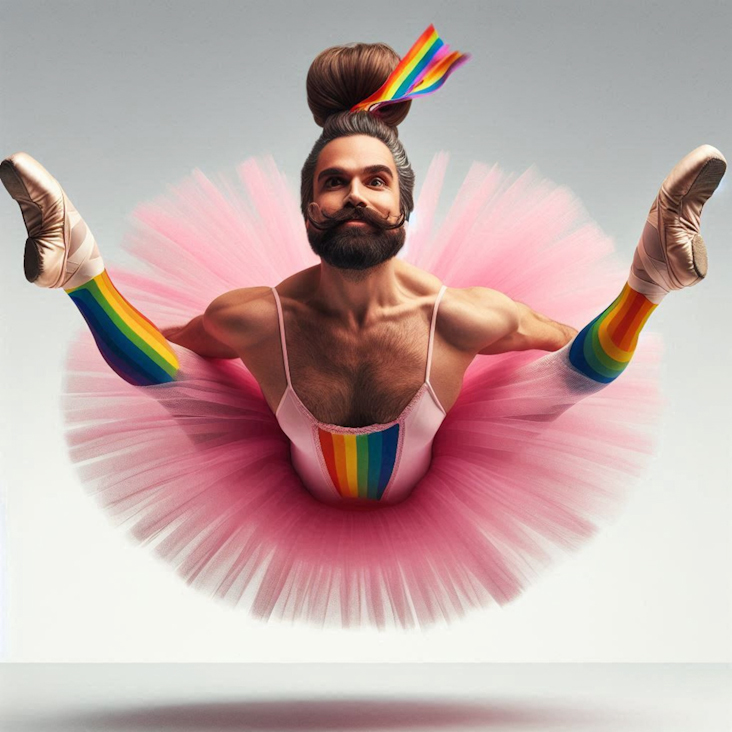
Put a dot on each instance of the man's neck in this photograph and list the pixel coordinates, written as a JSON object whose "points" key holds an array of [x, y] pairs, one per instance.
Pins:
{"points": [[357, 296]]}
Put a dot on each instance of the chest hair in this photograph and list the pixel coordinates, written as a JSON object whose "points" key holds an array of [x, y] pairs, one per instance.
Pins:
{"points": [[356, 381]]}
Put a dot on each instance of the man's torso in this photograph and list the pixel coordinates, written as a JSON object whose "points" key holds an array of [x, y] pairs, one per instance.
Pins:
{"points": [[354, 377]]}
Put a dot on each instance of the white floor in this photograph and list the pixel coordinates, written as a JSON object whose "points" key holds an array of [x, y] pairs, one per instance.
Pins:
{"points": [[380, 697]]}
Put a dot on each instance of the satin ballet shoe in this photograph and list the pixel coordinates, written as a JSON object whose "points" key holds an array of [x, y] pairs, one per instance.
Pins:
{"points": [[671, 253], [60, 250]]}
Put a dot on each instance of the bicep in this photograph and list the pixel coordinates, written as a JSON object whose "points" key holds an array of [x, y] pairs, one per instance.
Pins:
{"points": [[516, 338], [217, 320], [234, 317], [480, 317], [502, 323], [532, 331]]}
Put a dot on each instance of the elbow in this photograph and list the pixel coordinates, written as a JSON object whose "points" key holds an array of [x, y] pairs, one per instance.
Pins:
{"points": [[197, 337], [562, 336], [567, 336]]}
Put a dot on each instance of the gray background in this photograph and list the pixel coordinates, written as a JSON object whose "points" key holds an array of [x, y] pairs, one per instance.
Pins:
{"points": [[120, 99]]}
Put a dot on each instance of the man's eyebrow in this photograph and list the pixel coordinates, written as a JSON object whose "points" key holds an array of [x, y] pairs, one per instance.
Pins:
{"points": [[370, 170], [330, 171], [379, 169]]}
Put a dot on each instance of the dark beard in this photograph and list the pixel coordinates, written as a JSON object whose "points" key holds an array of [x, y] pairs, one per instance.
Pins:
{"points": [[356, 248]]}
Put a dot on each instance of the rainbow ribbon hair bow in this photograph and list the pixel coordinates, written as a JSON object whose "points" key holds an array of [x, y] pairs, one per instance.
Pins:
{"points": [[423, 70]]}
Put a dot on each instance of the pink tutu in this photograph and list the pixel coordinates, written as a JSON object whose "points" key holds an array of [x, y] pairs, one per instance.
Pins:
{"points": [[200, 469]]}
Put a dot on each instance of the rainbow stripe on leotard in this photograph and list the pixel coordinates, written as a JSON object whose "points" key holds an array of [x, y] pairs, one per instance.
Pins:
{"points": [[602, 349], [360, 466], [127, 340]]}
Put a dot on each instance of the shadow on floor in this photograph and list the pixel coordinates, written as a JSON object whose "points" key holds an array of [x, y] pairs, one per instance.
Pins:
{"points": [[322, 715]]}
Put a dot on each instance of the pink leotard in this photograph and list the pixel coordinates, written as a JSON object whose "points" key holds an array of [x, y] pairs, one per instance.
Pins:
{"points": [[361, 465]]}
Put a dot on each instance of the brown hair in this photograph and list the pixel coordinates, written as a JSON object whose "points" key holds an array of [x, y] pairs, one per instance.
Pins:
{"points": [[342, 76], [339, 78]]}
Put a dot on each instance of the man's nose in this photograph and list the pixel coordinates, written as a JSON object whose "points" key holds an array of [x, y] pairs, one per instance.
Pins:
{"points": [[355, 195]]}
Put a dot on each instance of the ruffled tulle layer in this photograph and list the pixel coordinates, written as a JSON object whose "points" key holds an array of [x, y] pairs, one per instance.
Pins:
{"points": [[200, 469]]}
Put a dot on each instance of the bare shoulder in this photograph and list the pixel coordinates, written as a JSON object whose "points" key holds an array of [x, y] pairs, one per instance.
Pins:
{"points": [[244, 303], [472, 317], [469, 318], [249, 314], [244, 314]]}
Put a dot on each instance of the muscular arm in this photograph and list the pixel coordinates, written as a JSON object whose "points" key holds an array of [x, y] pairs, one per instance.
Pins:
{"points": [[222, 330], [532, 331], [486, 322], [196, 337]]}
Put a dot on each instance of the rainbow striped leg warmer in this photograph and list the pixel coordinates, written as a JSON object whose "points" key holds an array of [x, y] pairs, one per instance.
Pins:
{"points": [[127, 340], [604, 347]]}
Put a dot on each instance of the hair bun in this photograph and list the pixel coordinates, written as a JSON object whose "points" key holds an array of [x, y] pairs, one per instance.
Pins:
{"points": [[343, 76]]}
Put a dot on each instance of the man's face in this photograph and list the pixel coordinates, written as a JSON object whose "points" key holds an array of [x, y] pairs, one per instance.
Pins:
{"points": [[355, 202]]}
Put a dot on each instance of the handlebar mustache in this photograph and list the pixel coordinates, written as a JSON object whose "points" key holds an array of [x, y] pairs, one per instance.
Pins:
{"points": [[352, 213]]}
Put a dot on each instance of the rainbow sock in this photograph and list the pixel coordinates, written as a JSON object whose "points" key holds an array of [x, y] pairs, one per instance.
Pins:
{"points": [[602, 349], [127, 340]]}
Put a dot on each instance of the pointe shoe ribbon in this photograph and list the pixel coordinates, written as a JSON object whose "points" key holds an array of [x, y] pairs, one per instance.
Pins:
{"points": [[60, 250], [671, 253]]}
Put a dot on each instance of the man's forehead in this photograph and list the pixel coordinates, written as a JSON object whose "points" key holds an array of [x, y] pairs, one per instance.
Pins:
{"points": [[355, 152]]}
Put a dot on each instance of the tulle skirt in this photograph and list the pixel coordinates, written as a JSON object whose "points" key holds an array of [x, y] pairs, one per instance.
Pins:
{"points": [[527, 465]]}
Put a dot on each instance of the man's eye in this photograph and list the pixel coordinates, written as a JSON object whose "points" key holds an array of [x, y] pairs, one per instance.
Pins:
{"points": [[378, 182], [333, 182]]}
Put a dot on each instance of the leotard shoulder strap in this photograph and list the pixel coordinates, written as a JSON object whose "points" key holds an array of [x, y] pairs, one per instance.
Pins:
{"points": [[281, 322], [430, 345], [432, 333]]}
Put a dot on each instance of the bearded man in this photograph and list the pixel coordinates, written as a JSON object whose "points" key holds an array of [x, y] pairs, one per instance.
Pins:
{"points": [[360, 358]]}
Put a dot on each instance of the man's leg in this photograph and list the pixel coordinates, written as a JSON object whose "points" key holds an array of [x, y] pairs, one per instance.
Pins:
{"points": [[604, 347], [61, 252], [670, 255], [128, 341]]}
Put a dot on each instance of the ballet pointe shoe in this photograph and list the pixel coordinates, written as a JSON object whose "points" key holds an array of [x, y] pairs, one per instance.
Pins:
{"points": [[671, 253], [60, 250]]}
